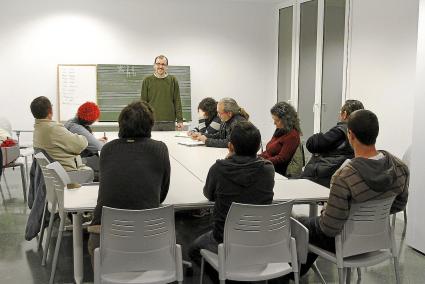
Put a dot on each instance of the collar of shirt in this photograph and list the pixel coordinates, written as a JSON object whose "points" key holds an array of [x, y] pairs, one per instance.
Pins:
{"points": [[160, 76]]}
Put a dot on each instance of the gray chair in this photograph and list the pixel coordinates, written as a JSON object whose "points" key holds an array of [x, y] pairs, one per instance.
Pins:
{"points": [[21, 166], [257, 244], [366, 239], [138, 246], [59, 179]]}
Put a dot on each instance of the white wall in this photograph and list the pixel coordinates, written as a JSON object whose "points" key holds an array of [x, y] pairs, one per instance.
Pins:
{"points": [[416, 210], [230, 46], [382, 66]]}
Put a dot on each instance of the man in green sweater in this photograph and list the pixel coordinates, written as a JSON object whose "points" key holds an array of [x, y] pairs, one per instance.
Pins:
{"points": [[162, 92]]}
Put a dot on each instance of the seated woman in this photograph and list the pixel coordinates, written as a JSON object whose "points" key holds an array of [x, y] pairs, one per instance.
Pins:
{"points": [[286, 138], [134, 169], [209, 122], [230, 113], [330, 149], [87, 114]]}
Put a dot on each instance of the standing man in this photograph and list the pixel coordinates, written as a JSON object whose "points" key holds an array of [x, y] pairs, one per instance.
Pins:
{"points": [[162, 92]]}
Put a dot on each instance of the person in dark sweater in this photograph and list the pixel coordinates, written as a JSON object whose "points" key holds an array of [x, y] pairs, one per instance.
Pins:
{"points": [[209, 122], [286, 138], [230, 113], [162, 92], [370, 175], [242, 177], [134, 169], [330, 149]]}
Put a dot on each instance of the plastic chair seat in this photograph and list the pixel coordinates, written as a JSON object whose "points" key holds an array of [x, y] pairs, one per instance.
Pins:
{"points": [[360, 260], [145, 277], [251, 272]]}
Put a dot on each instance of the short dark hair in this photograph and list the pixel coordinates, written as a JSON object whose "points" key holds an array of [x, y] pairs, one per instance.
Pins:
{"points": [[161, 57], [351, 106], [365, 126], [246, 138], [209, 106], [40, 107], [136, 120]]}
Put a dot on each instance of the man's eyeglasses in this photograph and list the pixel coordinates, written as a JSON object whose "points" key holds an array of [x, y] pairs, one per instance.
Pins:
{"points": [[161, 64]]}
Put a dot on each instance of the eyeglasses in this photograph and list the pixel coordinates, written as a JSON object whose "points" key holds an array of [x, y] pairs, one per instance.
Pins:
{"points": [[161, 64]]}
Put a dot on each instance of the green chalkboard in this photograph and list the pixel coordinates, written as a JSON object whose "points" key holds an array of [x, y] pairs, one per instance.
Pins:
{"points": [[118, 85]]}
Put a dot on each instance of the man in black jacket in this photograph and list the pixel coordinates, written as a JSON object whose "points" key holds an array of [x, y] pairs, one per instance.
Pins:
{"points": [[330, 149], [242, 177]]}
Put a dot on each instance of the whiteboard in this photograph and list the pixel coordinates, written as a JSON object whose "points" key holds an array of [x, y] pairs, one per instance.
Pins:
{"points": [[76, 85]]}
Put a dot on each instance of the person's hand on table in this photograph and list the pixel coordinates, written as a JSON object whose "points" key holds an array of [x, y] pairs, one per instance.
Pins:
{"points": [[179, 126], [103, 139], [189, 133], [202, 138], [195, 135]]}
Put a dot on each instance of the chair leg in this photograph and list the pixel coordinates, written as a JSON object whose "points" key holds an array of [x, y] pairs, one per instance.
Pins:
{"points": [[359, 273], [341, 275], [318, 273], [397, 270], [348, 270], [24, 181], [405, 215], [57, 248], [40, 239], [7, 185], [202, 270], [49, 235], [297, 277]]}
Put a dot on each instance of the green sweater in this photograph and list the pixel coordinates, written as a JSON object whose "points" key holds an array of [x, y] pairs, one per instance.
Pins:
{"points": [[163, 94]]}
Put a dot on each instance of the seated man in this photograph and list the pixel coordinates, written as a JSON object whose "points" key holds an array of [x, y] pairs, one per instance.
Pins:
{"points": [[330, 149], [371, 175], [230, 113], [134, 169], [242, 177], [60, 144]]}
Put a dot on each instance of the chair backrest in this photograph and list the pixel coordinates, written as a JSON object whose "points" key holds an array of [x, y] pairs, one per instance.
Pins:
{"points": [[60, 181], [137, 240], [257, 234], [367, 228], [42, 162]]}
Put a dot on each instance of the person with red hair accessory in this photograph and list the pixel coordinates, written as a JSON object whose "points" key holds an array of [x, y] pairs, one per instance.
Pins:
{"points": [[86, 115]]}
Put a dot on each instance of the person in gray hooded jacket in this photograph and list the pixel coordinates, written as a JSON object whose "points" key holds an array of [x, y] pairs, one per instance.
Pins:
{"points": [[370, 175], [242, 177]]}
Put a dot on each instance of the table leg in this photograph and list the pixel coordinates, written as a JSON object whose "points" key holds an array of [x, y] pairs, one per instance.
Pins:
{"points": [[78, 247], [313, 209]]}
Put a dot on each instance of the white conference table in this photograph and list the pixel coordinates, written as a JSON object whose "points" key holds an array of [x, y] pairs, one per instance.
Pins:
{"points": [[189, 169]]}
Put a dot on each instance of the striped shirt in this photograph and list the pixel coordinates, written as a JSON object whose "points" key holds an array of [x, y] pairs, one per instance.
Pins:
{"points": [[348, 186]]}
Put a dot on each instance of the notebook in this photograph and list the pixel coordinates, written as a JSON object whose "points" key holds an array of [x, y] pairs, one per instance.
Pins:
{"points": [[191, 143], [182, 134]]}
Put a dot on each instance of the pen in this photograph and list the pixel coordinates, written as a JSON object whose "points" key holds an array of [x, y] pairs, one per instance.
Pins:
{"points": [[104, 134]]}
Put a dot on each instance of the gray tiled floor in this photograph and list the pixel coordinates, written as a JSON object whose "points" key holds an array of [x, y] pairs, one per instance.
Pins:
{"points": [[20, 262]]}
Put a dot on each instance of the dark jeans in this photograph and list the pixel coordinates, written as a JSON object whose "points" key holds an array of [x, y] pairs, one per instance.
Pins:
{"points": [[205, 241], [317, 238]]}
